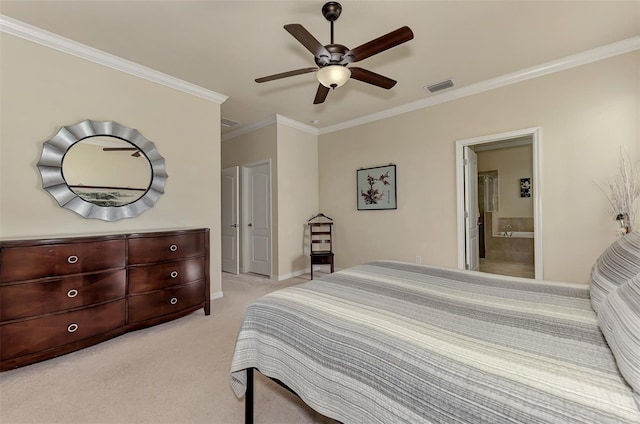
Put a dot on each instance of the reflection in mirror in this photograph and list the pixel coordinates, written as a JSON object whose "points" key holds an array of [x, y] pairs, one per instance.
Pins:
{"points": [[106, 171], [97, 157]]}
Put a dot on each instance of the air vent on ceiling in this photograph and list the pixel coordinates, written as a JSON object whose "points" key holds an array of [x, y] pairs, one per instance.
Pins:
{"points": [[228, 123], [440, 86]]}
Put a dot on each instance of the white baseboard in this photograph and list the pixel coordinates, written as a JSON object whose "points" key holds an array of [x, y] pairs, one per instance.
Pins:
{"points": [[291, 274], [299, 272]]}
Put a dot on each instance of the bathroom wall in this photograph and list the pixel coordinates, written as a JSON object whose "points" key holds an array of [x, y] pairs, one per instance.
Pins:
{"points": [[515, 225], [512, 163], [508, 249], [515, 213]]}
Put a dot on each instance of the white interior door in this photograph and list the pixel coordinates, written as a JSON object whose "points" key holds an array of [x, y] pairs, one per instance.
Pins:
{"points": [[471, 212], [258, 225], [230, 220]]}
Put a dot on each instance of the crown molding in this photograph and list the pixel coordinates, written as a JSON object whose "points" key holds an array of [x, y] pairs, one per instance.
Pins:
{"points": [[274, 119], [37, 35], [568, 62], [296, 125]]}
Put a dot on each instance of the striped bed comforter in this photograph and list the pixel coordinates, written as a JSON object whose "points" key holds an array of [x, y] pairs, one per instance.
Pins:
{"points": [[392, 342]]}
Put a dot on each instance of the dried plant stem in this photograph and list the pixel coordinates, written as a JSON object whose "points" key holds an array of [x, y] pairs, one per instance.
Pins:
{"points": [[624, 191]]}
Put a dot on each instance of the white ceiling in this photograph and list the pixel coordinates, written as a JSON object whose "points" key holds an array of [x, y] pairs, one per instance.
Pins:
{"points": [[224, 45]]}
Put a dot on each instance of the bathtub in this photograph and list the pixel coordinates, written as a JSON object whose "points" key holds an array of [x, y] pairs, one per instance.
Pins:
{"points": [[515, 234]]}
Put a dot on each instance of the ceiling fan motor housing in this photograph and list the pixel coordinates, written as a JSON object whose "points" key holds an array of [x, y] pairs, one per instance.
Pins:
{"points": [[337, 52]]}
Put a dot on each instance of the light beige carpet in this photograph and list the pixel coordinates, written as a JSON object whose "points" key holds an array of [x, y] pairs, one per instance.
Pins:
{"points": [[176, 372]]}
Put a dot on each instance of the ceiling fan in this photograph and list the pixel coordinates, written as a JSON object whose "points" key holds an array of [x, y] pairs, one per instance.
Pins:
{"points": [[332, 59], [136, 151]]}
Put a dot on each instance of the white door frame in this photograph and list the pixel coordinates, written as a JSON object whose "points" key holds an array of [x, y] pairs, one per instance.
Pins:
{"points": [[246, 215], [471, 230], [536, 135]]}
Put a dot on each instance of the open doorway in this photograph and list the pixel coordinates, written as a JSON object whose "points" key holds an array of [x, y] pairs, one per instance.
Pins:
{"points": [[499, 204]]}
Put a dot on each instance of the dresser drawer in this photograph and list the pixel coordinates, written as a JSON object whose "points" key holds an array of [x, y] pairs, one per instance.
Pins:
{"points": [[146, 278], [144, 250], [42, 297], [31, 262], [156, 304], [36, 335]]}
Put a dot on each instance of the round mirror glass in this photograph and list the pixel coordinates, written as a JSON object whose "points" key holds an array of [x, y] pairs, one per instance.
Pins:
{"points": [[106, 171]]}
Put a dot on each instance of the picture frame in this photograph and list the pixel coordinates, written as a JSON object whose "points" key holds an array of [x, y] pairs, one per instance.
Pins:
{"points": [[525, 187], [376, 188]]}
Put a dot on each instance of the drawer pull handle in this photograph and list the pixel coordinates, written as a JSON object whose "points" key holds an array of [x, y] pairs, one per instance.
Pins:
{"points": [[72, 293], [174, 300], [173, 247], [174, 274], [72, 328], [72, 259]]}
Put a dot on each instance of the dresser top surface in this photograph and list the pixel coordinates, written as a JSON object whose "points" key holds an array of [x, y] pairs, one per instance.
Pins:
{"points": [[88, 237]]}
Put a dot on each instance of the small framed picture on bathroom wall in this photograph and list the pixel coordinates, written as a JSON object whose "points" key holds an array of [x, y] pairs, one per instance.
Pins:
{"points": [[525, 187]]}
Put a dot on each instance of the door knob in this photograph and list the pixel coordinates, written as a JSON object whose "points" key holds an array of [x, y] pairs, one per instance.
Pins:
{"points": [[250, 225], [234, 225]]}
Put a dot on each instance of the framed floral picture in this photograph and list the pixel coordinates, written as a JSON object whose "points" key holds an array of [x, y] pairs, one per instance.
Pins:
{"points": [[377, 188]]}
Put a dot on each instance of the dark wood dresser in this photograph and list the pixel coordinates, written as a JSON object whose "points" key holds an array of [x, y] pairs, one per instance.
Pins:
{"points": [[58, 295]]}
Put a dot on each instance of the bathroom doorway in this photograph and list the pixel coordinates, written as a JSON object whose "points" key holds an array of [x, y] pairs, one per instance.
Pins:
{"points": [[508, 204]]}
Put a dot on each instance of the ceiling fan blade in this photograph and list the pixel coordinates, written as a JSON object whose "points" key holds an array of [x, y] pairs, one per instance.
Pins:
{"points": [[118, 149], [286, 74], [380, 44], [372, 78], [321, 94], [307, 40]]}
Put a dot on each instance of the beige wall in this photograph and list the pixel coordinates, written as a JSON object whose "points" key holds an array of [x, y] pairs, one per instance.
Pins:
{"points": [[44, 89], [252, 147], [297, 197], [294, 182], [512, 163], [256, 146], [585, 114]]}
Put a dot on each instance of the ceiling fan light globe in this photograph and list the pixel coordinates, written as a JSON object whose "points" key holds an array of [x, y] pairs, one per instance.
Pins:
{"points": [[333, 76]]}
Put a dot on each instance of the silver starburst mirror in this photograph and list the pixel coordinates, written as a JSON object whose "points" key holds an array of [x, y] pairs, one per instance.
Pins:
{"points": [[102, 170]]}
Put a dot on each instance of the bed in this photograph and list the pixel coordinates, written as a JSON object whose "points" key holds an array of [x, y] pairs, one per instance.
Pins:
{"points": [[392, 342]]}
